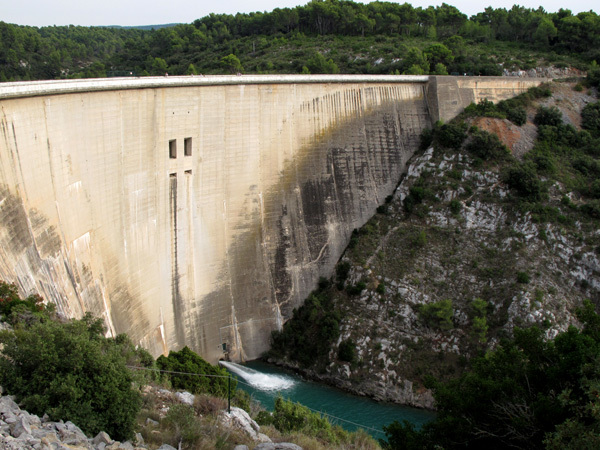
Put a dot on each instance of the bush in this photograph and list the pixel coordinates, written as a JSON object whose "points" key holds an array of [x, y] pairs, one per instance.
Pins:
{"points": [[186, 361], [438, 314], [548, 116], [451, 135], [342, 270], [524, 180], [14, 309], [484, 108], [70, 371], [487, 146], [593, 76], [590, 118], [182, 420], [517, 115], [416, 195], [357, 288], [289, 417], [347, 351], [523, 277], [426, 139]]}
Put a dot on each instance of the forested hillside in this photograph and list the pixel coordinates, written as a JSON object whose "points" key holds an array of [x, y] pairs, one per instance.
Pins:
{"points": [[323, 36]]}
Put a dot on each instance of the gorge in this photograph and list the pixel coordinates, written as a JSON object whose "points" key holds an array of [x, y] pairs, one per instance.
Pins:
{"points": [[197, 210]]}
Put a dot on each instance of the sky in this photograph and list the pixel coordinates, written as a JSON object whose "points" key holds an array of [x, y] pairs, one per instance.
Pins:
{"points": [[154, 12]]}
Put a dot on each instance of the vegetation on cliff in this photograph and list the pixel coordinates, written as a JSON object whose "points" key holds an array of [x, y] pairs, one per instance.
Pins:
{"points": [[473, 274], [69, 370], [528, 393], [319, 37]]}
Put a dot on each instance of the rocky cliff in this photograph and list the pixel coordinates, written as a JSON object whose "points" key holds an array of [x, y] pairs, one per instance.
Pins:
{"points": [[458, 258]]}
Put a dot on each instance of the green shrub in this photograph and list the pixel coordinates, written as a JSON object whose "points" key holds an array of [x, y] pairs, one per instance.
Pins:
{"points": [[451, 135], [530, 392], [517, 115], [593, 75], [484, 108], [356, 289], [544, 160], [347, 351], [70, 371], [592, 209], [342, 270], [426, 139], [438, 315], [487, 146], [479, 329], [523, 179], [523, 277], [290, 417], [548, 116], [14, 309], [590, 118], [416, 195], [188, 362], [182, 420]]}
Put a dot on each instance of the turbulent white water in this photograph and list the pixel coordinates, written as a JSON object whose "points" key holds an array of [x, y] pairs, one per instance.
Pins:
{"points": [[258, 380]]}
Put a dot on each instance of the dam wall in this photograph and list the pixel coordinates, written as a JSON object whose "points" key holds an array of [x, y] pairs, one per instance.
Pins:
{"points": [[449, 95], [199, 211]]}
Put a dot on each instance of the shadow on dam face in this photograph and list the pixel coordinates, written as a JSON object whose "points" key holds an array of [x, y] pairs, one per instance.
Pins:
{"points": [[201, 215]]}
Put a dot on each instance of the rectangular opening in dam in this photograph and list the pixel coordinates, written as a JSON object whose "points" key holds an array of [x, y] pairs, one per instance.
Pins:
{"points": [[188, 172], [187, 146], [173, 149]]}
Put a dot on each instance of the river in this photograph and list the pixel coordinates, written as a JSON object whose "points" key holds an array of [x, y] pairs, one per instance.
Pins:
{"points": [[265, 382]]}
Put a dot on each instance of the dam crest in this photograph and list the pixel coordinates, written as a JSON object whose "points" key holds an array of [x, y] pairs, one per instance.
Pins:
{"points": [[198, 210]]}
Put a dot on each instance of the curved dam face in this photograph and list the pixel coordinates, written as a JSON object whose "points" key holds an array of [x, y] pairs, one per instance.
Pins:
{"points": [[196, 211]]}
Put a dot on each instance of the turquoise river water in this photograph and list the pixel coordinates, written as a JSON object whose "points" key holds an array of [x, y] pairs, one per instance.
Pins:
{"points": [[264, 382]]}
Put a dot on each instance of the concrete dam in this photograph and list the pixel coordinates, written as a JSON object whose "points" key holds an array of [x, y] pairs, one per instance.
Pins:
{"points": [[200, 211]]}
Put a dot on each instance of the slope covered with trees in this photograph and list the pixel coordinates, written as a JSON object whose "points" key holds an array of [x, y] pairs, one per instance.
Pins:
{"points": [[323, 36]]}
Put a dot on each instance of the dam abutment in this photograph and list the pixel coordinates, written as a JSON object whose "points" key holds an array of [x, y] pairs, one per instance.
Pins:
{"points": [[200, 211]]}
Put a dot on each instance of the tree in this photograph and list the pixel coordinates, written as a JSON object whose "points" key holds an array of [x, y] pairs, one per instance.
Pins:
{"points": [[70, 371], [415, 61], [318, 64], [159, 66], [545, 32], [232, 64], [438, 54], [192, 70]]}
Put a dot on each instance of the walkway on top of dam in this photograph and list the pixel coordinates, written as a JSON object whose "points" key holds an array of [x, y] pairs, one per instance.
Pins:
{"points": [[55, 87]]}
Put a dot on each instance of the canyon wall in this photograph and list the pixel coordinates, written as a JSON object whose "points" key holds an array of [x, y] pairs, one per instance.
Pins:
{"points": [[200, 211]]}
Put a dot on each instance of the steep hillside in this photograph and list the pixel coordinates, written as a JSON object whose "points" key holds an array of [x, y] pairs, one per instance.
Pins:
{"points": [[475, 241]]}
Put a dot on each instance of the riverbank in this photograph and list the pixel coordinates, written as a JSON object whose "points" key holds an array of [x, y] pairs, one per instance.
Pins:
{"points": [[406, 394]]}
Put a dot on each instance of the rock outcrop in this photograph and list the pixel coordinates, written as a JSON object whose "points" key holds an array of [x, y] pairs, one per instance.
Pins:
{"points": [[20, 430]]}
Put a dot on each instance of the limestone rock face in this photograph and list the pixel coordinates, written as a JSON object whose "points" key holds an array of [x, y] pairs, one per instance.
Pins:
{"points": [[200, 214]]}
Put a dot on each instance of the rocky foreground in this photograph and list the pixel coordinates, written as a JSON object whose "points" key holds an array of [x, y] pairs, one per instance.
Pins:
{"points": [[20, 430]]}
